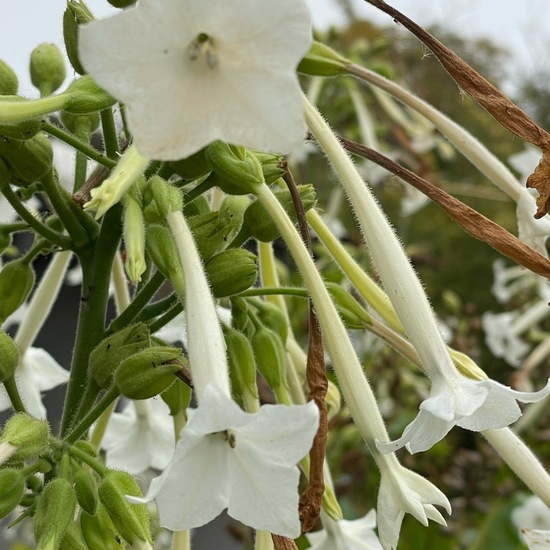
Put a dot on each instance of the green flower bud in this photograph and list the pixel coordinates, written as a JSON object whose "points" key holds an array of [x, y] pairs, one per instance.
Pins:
{"points": [[258, 223], [76, 14], [9, 84], [193, 167], [271, 166], [80, 125], [231, 272], [28, 434], [323, 61], [72, 539], [242, 367], [272, 317], [177, 397], [99, 532], [55, 510], [214, 231], [47, 68], [85, 487], [196, 207], [236, 174], [12, 486], [353, 315], [121, 3], [160, 198], [85, 96], [16, 282], [148, 372], [131, 520], [9, 356], [161, 247], [270, 356], [29, 160], [134, 236], [111, 351]]}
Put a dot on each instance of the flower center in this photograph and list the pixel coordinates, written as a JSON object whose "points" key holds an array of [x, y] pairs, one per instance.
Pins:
{"points": [[202, 49]]}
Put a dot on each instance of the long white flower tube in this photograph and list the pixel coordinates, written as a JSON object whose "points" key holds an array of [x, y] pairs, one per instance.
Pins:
{"points": [[206, 344], [401, 491], [454, 399]]}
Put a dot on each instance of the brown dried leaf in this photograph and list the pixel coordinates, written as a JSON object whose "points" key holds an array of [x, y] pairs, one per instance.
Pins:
{"points": [[489, 97], [282, 543], [470, 220], [540, 180]]}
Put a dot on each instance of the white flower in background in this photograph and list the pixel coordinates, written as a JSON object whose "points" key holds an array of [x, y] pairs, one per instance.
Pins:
{"points": [[37, 372], [531, 231], [140, 437], [502, 339], [405, 492], [191, 72], [509, 281], [475, 405], [357, 534], [227, 458], [532, 513], [532, 519]]}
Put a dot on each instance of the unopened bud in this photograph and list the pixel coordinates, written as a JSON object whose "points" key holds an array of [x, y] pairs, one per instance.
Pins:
{"points": [[130, 520], [270, 356], [242, 367], [258, 223], [12, 486], [323, 61], [29, 160], [54, 512], [9, 356], [149, 372], [111, 351], [134, 237], [85, 487], [231, 272], [236, 174], [99, 532], [160, 198], [47, 68], [85, 96], [76, 14], [28, 434], [80, 125], [8, 80], [163, 251], [16, 282], [352, 313], [72, 539]]}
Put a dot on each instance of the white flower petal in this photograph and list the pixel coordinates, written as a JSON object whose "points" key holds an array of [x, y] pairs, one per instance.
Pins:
{"points": [[245, 93], [136, 441], [227, 458], [357, 534]]}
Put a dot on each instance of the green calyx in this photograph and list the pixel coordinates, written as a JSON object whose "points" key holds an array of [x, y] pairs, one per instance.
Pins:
{"points": [[16, 282], [47, 68], [323, 61]]}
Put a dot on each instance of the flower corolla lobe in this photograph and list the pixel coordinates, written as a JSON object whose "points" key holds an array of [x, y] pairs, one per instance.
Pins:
{"points": [[191, 72]]}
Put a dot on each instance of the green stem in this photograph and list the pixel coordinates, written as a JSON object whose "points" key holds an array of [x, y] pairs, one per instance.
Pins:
{"points": [[166, 318], [13, 112], [42, 229], [83, 425], [83, 456], [141, 299], [280, 290], [157, 308], [14, 395], [75, 143], [109, 133], [66, 215], [96, 264]]}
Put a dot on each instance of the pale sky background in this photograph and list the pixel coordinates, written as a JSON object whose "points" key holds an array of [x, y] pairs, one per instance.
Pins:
{"points": [[522, 26]]}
